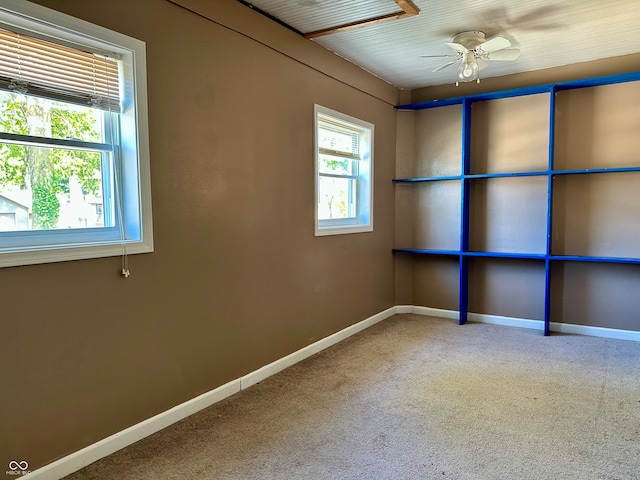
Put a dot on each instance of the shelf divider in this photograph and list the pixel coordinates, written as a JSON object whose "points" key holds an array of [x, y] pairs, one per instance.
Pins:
{"points": [[465, 206], [516, 255], [595, 259], [549, 242], [597, 170]]}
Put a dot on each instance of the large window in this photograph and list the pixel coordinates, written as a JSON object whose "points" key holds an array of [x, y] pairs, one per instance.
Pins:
{"points": [[74, 161], [344, 173]]}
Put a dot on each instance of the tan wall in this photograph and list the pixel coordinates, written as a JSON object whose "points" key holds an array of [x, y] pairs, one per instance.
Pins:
{"points": [[237, 278], [592, 214], [405, 154]]}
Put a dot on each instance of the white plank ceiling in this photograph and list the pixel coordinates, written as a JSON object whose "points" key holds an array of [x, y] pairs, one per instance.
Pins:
{"points": [[549, 33]]}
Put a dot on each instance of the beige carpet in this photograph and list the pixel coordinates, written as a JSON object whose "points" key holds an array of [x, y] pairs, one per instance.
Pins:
{"points": [[416, 398]]}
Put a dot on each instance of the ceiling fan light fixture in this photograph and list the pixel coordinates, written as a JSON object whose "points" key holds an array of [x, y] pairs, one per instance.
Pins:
{"points": [[473, 52], [468, 71]]}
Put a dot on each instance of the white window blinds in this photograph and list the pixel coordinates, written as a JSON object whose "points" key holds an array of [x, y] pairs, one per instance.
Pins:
{"points": [[338, 140], [37, 67]]}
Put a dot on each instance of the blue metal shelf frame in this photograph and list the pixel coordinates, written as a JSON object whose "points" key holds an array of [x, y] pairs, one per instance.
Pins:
{"points": [[518, 174], [549, 242], [465, 207], [465, 178], [519, 92], [519, 255]]}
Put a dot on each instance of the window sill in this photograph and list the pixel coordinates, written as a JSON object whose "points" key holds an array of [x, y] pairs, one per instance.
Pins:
{"points": [[341, 230], [67, 253]]}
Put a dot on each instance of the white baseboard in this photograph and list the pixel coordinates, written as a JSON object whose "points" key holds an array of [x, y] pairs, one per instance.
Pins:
{"points": [[405, 308], [279, 365], [77, 460], [109, 445], [508, 321], [595, 331], [434, 312], [533, 324]]}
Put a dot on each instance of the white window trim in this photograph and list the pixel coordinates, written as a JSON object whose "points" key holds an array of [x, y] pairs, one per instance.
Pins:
{"points": [[134, 135], [363, 221]]}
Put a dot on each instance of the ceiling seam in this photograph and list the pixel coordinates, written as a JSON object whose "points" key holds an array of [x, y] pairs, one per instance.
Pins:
{"points": [[409, 9]]}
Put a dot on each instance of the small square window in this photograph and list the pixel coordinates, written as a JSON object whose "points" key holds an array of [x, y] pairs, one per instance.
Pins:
{"points": [[344, 173]]}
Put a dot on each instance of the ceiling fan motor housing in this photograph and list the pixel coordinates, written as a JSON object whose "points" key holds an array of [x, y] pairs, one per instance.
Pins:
{"points": [[470, 40]]}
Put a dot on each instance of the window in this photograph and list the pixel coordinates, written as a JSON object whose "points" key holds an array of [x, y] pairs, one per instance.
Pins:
{"points": [[74, 155], [344, 173]]}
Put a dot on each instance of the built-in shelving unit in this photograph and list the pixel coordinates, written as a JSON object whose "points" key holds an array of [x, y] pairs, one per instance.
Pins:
{"points": [[546, 213]]}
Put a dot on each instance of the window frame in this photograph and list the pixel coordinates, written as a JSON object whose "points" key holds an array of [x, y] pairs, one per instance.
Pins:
{"points": [[362, 221], [132, 165]]}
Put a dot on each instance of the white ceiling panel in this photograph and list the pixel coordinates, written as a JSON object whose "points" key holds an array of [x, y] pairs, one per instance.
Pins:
{"points": [[549, 33], [312, 15]]}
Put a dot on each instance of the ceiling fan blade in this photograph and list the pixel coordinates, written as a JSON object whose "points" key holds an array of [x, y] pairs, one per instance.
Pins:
{"points": [[481, 63], [457, 47], [540, 13], [445, 65], [496, 43], [506, 55]]}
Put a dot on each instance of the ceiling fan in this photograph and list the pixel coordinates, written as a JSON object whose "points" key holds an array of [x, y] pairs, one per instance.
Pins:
{"points": [[473, 52]]}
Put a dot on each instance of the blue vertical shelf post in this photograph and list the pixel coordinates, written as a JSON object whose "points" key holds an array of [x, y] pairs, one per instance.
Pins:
{"points": [[549, 245], [465, 204]]}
